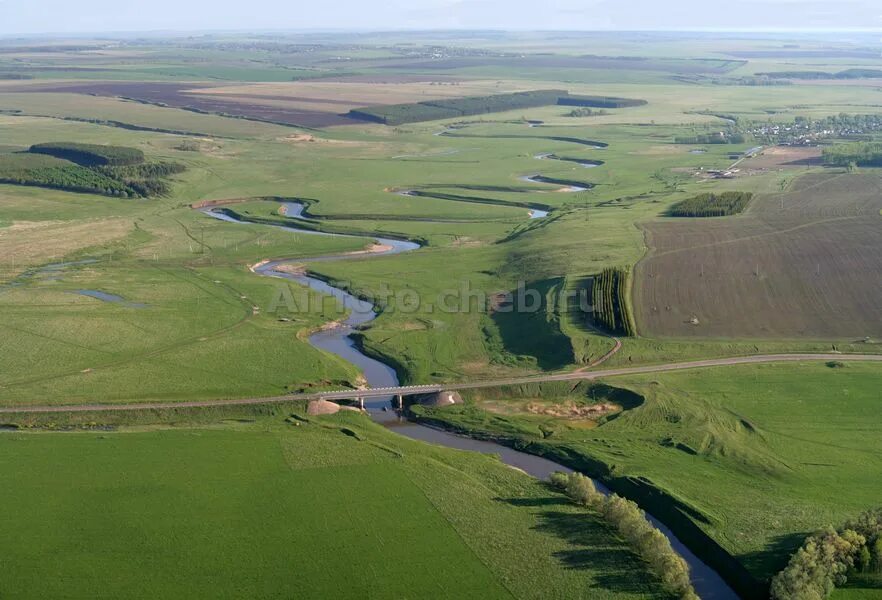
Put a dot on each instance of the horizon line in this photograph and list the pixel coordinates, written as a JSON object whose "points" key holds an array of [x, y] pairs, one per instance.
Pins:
{"points": [[417, 30]]}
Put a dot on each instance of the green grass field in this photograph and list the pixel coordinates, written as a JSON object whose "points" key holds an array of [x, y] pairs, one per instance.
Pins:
{"points": [[489, 247], [267, 509], [762, 455]]}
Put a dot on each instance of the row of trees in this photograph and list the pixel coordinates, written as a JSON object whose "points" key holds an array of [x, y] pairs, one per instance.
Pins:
{"points": [[431, 110], [609, 296], [712, 205], [846, 74], [631, 523], [451, 108], [826, 559], [864, 154], [90, 155], [586, 112], [598, 101], [719, 137]]}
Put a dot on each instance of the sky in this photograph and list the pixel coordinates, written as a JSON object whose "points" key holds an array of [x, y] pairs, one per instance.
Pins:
{"points": [[89, 16]]}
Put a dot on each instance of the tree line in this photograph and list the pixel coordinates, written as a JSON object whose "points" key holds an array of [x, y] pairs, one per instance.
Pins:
{"points": [[586, 112], [631, 524], [846, 74], [712, 205], [72, 178], [45, 169], [864, 154], [90, 155], [598, 101], [451, 108], [827, 558], [719, 137], [609, 296]]}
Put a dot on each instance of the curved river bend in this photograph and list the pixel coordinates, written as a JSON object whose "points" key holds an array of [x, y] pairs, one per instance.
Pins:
{"points": [[708, 584]]}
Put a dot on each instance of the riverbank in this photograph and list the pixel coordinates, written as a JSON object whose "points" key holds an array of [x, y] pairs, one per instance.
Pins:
{"points": [[665, 512], [340, 341]]}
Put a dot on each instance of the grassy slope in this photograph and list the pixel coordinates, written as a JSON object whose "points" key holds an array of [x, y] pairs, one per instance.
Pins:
{"points": [[590, 230], [757, 450], [273, 510]]}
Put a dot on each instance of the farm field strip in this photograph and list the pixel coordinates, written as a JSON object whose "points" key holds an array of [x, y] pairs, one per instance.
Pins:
{"points": [[780, 270]]}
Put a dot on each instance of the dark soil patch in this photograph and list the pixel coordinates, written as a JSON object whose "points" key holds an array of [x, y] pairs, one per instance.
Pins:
{"points": [[178, 95]]}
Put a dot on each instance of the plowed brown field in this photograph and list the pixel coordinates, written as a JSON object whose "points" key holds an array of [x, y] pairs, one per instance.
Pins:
{"points": [[805, 263]]}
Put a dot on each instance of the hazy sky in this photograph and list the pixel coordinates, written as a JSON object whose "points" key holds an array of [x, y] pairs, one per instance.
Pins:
{"points": [[39, 16]]}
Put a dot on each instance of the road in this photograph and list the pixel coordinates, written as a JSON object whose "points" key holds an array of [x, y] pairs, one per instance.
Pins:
{"points": [[419, 389]]}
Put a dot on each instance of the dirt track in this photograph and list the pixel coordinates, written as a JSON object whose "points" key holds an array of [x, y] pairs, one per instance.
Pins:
{"points": [[408, 390]]}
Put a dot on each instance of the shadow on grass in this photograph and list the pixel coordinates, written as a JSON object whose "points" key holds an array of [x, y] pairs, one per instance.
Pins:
{"points": [[593, 547], [574, 311], [550, 501], [535, 334], [774, 556]]}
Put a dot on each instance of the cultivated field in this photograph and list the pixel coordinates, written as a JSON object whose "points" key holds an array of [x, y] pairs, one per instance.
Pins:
{"points": [[798, 264], [303, 104]]}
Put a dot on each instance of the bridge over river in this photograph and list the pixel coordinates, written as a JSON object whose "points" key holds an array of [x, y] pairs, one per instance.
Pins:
{"points": [[411, 390]]}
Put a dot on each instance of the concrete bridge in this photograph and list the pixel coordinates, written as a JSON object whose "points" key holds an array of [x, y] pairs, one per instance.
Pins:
{"points": [[401, 392]]}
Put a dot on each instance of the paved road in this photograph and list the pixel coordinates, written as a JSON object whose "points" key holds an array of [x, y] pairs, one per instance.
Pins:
{"points": [[417, 389]]}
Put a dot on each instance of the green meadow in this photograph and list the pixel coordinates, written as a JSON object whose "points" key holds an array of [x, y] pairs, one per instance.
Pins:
{"points": [[757, 456], [333, 507]]}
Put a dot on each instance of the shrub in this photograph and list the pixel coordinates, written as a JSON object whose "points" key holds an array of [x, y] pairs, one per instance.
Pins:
{"points": [[559, 480], [581, 490], [825, 559]]}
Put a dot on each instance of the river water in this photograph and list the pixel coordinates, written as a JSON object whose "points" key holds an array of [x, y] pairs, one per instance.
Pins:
{"points": [[708, 584]]}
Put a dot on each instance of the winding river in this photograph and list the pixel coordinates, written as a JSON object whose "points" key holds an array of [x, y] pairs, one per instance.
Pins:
{"points": [[708, 584]]}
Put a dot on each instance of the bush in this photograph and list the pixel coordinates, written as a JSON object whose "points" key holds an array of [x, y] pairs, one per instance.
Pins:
{"points": [[581, 490], [825, 559], [818, 566], [559, 480]]}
